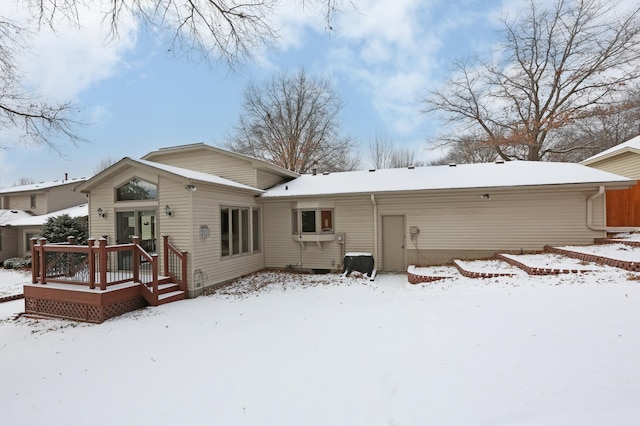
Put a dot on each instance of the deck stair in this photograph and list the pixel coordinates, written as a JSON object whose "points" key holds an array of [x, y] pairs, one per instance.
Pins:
{"points": [[168, 291]]}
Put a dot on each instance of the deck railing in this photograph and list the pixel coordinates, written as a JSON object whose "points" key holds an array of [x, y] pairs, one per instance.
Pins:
{"points": [[100, 265]]}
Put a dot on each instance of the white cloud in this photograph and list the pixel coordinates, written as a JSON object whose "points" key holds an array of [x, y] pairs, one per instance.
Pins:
{"points": [[61, 64]]}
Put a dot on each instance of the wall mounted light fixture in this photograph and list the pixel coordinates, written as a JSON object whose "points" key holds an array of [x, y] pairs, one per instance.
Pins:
{"points": [[101, 213], [485, 196], [190, 187], [168, 211]]}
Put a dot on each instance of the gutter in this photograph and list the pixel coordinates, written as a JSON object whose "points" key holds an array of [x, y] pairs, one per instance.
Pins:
{"points": [[590, 224]]}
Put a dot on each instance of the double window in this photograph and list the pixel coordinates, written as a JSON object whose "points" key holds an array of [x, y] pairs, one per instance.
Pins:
{"points": [[312, 221], [239, 230]]}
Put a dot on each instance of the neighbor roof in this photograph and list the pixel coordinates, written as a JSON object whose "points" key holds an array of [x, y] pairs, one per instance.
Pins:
{"points": [[7, 216], [29, 220], [41, 186], [485, 175], [632, 145]]}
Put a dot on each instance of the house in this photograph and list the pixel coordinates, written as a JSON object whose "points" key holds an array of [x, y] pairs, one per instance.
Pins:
{"points": [[623, 206], [220, 215], [24, 209]]}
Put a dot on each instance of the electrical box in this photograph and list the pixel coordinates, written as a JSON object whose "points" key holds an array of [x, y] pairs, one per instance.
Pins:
{"points": [[340, 237], [414, 230]]}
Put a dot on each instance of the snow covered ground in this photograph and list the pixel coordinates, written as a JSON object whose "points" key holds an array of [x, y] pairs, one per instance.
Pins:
{"points": [[279, 349]]}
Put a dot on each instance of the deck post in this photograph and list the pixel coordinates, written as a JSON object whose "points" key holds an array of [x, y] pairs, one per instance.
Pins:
{"points": [[43, 261], [154, 269], [183, 284], [135, 259], [102, 263], [71, 240], [92, 263], [165, 254], [35, 260]]}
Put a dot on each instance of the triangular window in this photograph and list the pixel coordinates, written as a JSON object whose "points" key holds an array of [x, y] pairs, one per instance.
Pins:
{"points": [[137, 189]]}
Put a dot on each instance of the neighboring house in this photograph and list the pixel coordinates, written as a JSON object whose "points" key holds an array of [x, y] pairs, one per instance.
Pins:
{"points": [[24, 209], [623, 206], [235, 215]]}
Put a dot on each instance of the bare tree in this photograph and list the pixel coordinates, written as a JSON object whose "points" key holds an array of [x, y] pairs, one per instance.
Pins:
{"points": [[41, 122], [104, 164], [556, 67], [292, 121], [228, 29], [24, 181], [209, 29], [467, 150], [384, 154]]}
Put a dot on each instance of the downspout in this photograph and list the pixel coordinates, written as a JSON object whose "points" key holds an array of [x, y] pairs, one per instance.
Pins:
{"points": [[375, 227], [604, 227], [590, 224]]}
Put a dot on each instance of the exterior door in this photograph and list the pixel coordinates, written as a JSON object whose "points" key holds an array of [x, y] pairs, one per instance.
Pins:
{"points": [[139, 223], [393, 254]]}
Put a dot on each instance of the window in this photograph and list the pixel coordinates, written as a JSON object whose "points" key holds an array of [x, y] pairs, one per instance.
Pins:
{"points": [[239, 230], [28, 236], [33, 201], [308, 218], [137, 189], [224, 232], [312, 221], [255, 229]]}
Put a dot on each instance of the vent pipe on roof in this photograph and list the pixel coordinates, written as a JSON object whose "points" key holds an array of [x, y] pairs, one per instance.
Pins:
{"points": [[411, 167], [372, 170], [499, 161], [66, 176], [314, 171], [452, 164]]}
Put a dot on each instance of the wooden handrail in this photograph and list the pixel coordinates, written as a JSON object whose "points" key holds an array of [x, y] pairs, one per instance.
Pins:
{"points": [[97, 265], [182, 256]]}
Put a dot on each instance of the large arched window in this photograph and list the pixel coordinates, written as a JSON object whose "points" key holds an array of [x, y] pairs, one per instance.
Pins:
{"points": [[137, 189]]}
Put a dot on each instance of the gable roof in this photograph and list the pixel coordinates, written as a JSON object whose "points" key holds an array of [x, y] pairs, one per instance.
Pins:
{"points": [[632, 145], [255, 162], [41, 186], [81, 210], [177, 172], [464, 176]]}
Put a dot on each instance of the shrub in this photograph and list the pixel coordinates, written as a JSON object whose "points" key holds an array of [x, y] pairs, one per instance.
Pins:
{"points": [[57, 229], [17, 263]]}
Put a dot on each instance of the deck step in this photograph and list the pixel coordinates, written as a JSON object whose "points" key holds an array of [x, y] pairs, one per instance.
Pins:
{"points": [[170, 297]]}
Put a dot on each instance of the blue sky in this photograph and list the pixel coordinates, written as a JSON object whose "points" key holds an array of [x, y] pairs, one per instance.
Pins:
{"points": [[381, 58]]}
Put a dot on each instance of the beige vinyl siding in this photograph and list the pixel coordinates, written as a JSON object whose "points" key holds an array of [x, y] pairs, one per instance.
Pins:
{"points": [[451, 223], [63, 197], [9, 243], [353, 217], [102, 197], [626, 164], [208, 265], [266, 179], [23, 202], [204, 160]]}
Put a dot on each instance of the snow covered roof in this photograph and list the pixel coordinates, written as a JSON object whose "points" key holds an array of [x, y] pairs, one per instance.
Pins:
{"points": [[485, 175], [7, 216], [41, 185], [632, 145], [187, 174], [26, 219], [198, 176]]}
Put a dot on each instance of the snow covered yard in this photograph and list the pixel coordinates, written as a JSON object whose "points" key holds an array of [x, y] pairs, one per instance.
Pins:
{"points": [[279, 349]]}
